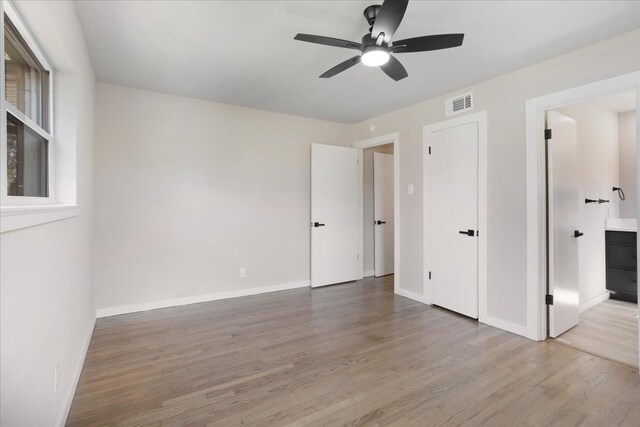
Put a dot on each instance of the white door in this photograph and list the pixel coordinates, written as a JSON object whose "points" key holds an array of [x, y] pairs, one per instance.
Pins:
{"points": [[383, 213], [562, 193], [334, 215], [452, 170]]}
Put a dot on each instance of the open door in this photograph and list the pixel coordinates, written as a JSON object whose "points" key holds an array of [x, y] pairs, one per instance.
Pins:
{"points": [[335, 214], [383, 213], [452, 228], [562, 199]]}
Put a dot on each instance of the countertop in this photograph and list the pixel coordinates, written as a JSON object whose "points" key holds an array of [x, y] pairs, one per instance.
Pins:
{"points": [[621, 224]]}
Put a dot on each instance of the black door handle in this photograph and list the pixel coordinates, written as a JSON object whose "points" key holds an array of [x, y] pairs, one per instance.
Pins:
{"points": [[317, 224], [380, 222], [577, 233], [470, 233]]}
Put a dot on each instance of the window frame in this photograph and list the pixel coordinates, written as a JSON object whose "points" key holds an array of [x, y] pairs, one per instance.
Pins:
{"points": [[6, 200]]}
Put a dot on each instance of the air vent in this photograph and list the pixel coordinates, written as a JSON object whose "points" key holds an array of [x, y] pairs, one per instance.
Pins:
{"points": [[458, 104]]}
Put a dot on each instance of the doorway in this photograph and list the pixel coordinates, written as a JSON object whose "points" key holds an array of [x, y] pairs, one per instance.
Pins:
{"points": [[455, 215], [591, 240], [378, 210], [387, 144]]}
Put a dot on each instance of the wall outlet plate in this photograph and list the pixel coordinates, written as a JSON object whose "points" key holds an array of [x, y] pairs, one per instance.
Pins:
{"points": [[410, 189], [243, 272]]}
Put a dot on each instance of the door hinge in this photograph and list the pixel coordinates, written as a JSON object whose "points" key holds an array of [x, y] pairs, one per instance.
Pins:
{"points": [[547, 134], [548, 299], [429, 275], [429, 149]]}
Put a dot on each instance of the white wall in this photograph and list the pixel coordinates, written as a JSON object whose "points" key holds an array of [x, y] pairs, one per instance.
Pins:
{"points": [[46, 275], [504, 100], [188, 192], [598, 165], [627, 131], [367, 200]]}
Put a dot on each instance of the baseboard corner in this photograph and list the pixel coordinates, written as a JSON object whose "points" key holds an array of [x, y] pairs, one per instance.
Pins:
{"points": [[68, 401], [594, 301]]}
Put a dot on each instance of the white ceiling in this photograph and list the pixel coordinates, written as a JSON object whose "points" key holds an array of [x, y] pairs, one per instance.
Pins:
{"points": [[243, 52]]}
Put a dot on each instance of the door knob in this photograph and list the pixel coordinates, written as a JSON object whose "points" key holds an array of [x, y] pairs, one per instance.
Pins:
{"points": [[469, 233], [380, 222], [577, 233], [317, 224]]}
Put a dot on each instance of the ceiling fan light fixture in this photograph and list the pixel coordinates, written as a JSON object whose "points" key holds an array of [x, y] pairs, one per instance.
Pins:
{"points": [[375, 57]]}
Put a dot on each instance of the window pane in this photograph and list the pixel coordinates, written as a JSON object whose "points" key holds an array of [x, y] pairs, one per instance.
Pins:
{"points": [[26, 81], [26, 160]]}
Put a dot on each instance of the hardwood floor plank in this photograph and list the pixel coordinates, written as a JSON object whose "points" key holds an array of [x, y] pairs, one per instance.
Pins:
{"points": [[352, 354]]}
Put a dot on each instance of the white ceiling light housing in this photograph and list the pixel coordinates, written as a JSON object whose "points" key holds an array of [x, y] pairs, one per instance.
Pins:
{"points": [[374, 57]]}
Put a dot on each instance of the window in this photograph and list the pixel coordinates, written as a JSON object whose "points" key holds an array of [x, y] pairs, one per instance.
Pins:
{"points": [[27, 135]]}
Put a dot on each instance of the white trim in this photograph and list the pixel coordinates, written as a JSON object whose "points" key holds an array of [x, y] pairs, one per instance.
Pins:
{"points": [[536, 197], [368, 273], [515, 328], [17, 22], [481, 119], [390, 138], [412, 295], [595, 301], [68, 400], [134, 308], [361, 213], [17, 217]]}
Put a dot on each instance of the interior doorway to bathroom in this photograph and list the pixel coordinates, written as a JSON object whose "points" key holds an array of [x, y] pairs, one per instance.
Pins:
{"points": [[590, 150]]}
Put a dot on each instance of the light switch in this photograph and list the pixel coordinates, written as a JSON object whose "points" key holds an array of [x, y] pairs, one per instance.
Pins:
{"points": [[410, 189]]}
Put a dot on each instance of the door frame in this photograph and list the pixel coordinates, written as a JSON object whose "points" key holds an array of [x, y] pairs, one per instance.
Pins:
{"points": [[390, 138], [481, 119], [536, 328]]}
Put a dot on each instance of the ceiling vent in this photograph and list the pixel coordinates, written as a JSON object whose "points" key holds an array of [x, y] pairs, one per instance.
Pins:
{"points": [[458, 104]]}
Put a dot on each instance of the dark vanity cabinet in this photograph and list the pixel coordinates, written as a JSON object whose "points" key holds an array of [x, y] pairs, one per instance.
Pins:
{"points": [[622, 274]]}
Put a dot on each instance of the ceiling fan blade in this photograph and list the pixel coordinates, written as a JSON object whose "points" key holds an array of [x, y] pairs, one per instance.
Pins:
{"points": [[328, 41], [394, 69], [426, 43], [341, 67], [389, 18]]}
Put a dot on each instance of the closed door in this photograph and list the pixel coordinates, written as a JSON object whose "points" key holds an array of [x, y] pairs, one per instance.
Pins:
{"points": [[452, 233], [562, 198], [334, 215], [383, 213]]}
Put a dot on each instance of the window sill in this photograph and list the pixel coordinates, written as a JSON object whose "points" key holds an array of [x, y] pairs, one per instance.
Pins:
{"points": [[17, 217]]}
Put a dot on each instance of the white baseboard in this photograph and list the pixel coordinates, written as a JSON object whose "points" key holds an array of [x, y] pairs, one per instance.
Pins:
{"points": [[505, 325], [68, 400], [594, 301], [412, 295], [488, 320], [133, 308], [368, 273]]}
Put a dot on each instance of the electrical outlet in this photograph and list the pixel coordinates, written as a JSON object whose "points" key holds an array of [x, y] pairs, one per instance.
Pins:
{"points": [[410, 189], [56, 377], [243, 272]]}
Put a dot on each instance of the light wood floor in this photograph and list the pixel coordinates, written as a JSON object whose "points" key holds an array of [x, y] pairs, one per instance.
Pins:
{"points": [[351, 354], [609, 330]]}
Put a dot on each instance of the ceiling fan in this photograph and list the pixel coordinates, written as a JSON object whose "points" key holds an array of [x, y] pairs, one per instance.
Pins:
{"points": [[376, 46]]}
